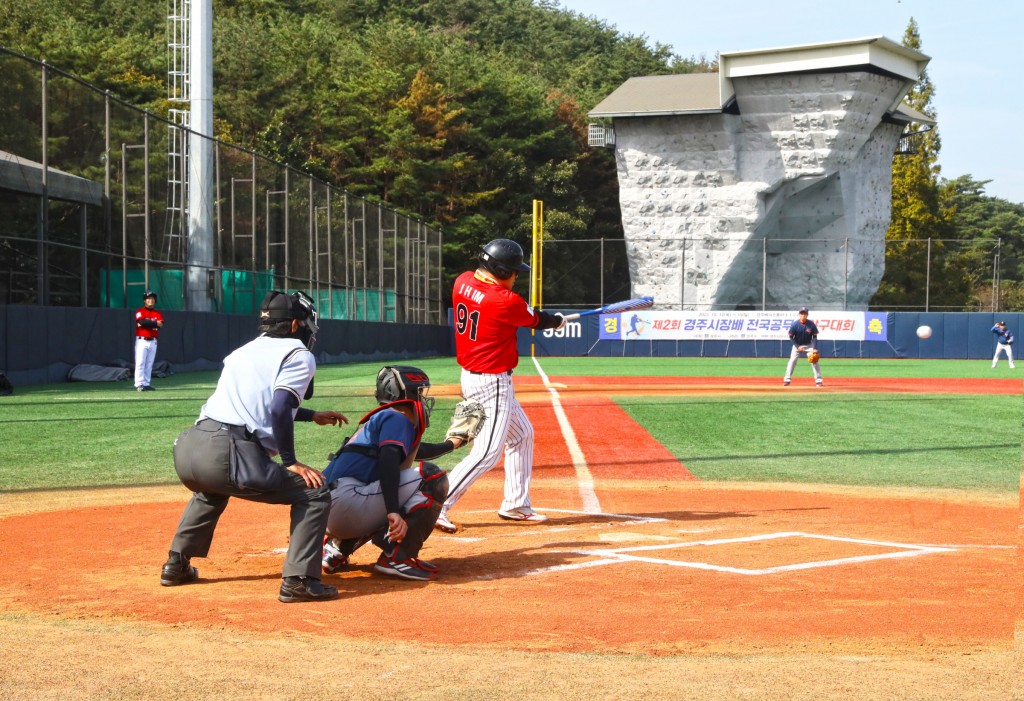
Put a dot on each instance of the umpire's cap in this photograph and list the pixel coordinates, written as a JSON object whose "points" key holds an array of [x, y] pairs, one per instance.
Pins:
{"points": [[149, 293], [281, 306]]}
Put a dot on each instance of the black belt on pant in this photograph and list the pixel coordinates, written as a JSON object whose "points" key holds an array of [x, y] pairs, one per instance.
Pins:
{"points": [[473, 372], [143, 338], [237, 430]]}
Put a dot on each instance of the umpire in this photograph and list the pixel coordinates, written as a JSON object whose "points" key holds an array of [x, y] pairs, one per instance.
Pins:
{"points": [[245, 423]]}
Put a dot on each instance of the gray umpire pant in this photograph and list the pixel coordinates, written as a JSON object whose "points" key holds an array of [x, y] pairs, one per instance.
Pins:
{"points": [[201, 457]]}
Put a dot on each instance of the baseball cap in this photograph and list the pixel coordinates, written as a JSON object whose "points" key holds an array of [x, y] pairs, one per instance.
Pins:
{"points": [[804, 310], [1001, 323], [149, 293], [281, 306]]}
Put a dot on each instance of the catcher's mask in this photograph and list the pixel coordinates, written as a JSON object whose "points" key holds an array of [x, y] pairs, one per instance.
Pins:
{"points": [[502, 257], [404, 382], [280, 306]]}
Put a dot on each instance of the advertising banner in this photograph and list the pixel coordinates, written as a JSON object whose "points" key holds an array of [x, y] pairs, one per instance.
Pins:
{"points": [[647, 325]]}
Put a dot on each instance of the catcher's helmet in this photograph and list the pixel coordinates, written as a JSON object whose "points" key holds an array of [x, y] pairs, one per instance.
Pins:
{"points": [[404, 382], [502, 257], [149, 293], [281, 306]]}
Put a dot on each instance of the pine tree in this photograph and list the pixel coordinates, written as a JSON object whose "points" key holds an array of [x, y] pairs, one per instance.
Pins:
{"points": [[917, 275]]}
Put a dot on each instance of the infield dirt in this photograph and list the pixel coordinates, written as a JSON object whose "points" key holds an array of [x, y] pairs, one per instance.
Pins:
{"points": [[674, 589]]}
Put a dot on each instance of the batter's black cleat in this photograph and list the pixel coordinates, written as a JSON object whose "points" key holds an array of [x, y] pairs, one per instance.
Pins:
{"points": [[178, 570], [297, 589]]}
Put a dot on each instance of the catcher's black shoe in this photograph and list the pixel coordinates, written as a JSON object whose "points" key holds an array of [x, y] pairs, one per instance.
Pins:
{"points": [[413, 568], [178, 570], [296, 589]]}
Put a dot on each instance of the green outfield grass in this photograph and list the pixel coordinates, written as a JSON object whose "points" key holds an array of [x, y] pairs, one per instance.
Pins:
{"points": [[917, 440], [769, 367], [97, 434]]}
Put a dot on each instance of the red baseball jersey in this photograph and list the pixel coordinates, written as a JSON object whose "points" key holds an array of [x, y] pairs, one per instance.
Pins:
{"points": [[487, 317], [144, 313]]}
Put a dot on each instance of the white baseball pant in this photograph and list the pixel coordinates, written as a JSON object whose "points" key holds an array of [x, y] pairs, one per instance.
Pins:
{"points": [[506, 430], [357, 509], [1000, 347], [145, 354], [793, 355]]}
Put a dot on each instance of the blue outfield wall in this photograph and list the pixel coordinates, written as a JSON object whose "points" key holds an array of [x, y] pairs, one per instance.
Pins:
{"points": [[38, 345], [955, 335]]}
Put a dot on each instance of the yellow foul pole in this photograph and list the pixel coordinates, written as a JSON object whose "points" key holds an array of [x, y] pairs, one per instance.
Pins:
{"points": [[536, 258]]}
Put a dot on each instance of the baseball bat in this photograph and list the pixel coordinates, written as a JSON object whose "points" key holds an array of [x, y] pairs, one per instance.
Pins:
{"points": [[628, 305]]}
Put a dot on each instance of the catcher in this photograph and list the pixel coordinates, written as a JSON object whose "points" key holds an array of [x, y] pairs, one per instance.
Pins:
{"points": [[380, 488], [804, 334]]}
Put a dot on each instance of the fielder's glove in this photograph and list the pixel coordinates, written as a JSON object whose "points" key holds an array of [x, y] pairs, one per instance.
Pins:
{"points": [[813, 355], [467, 420]]}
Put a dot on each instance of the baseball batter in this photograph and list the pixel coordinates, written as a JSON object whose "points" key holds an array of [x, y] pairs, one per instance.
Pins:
{"points": [[488, 315], [804, 334], [148, 322]]}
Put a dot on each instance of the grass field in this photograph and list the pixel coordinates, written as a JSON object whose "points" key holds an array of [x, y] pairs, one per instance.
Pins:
{"points": [[900, 586], [82, 435]]}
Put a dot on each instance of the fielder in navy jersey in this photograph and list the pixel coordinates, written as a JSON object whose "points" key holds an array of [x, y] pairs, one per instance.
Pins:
{"points": [[804, 334], [1004, 342], [488, 316]]}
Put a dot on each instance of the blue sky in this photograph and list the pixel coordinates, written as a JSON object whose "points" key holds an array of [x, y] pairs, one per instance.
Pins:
{"points": [[975, 49]]}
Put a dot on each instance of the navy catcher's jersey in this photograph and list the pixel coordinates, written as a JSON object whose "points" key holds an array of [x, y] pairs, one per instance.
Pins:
{"points": [[803, 334], [388, 427]]}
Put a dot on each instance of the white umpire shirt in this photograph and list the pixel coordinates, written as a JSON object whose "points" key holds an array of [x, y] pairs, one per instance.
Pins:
{"points": [[251, 375]]}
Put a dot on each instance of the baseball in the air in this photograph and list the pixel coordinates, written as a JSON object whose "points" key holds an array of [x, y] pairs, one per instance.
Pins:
{"points": [[924, 331]]}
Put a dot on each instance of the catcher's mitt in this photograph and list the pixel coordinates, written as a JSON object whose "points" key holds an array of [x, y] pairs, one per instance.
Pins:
{"points": [[813, 355], [467, 420]]}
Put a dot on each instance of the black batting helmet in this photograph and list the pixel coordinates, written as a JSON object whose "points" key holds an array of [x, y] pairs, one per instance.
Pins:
{"points": [[502, 257], [398, 382]]}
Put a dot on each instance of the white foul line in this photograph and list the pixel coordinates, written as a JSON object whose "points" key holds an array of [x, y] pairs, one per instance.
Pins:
{"points": [[584, 480]]}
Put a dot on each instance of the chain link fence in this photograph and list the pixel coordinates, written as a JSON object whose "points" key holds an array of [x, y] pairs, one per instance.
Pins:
{"points": [[920, 275], [93, 205]]}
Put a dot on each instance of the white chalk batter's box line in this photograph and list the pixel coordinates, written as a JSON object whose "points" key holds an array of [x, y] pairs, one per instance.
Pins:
{"points": [[621, 555]]}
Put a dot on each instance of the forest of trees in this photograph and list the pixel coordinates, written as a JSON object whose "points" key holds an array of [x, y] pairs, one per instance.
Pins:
{"points": [[462, 112]]}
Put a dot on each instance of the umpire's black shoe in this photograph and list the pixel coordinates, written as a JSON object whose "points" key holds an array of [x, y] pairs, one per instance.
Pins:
{"points": [[178, 570], [296, 589]]}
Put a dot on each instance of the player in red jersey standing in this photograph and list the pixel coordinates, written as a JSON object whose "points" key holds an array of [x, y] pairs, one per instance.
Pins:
{"points": [[148, 322], [488, 315]]}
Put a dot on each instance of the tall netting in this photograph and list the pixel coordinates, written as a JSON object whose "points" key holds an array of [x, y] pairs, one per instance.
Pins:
{"points": [[94, 196], [722, 273]]}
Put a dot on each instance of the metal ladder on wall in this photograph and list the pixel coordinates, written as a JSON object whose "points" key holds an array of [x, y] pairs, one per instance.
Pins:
{"points": [[246, 238], [179, 94], [356, 258], [322, 258], [385, 269]]}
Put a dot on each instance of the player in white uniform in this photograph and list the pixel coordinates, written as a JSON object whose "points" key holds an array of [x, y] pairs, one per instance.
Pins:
{"points": [[245, 423], [488, 315]]}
